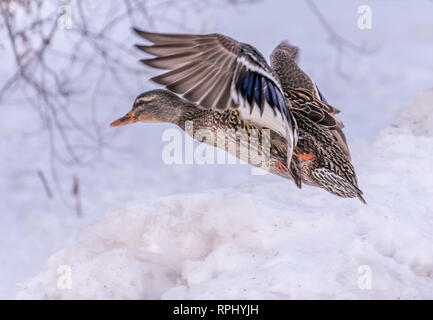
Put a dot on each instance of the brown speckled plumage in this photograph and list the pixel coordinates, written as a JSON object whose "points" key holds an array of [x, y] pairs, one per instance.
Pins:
{"points": [[230, 120], [319, 131]]}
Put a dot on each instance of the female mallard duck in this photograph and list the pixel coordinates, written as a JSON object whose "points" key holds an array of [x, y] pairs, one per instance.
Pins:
{"points": [[227, 80]]}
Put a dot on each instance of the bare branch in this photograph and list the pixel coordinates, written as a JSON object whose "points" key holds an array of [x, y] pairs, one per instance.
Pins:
{"points": [[339, 42]]}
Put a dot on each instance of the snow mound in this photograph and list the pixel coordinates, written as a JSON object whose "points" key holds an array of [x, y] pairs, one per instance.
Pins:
{"points": [[269, 241], [419, 115]]}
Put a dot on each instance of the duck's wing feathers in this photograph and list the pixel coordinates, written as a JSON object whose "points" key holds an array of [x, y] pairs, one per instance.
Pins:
{"points": [[309, 106], [306, 103], [336, 184], [218, 72]]}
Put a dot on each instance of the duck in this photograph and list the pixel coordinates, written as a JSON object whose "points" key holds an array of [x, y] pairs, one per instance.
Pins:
{"points": [[320, 133], [221, 84]]}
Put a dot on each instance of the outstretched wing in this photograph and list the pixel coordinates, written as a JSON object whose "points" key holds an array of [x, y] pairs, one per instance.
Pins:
{"points": [[218, 72]]}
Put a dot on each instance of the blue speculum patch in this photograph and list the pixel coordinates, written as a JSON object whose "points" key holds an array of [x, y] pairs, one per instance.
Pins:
{"points": [[253, 86]]}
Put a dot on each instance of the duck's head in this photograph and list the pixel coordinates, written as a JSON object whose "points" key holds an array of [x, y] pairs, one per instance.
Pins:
{"points": [[153, 106]]}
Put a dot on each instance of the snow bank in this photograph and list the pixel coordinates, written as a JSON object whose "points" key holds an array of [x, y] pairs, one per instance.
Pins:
{"points": [[269, 241], [419, 115]]}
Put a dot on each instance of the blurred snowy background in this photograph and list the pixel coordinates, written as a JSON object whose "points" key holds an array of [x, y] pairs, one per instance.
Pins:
{"points": [[134, 227]]}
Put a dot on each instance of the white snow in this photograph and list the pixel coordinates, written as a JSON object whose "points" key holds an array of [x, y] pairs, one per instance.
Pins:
{"points": [[216, 231], [419, 116], [268, 241]]}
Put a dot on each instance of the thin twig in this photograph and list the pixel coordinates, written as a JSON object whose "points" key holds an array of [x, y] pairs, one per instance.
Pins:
{"points": [[76, 194], [45, 183]]}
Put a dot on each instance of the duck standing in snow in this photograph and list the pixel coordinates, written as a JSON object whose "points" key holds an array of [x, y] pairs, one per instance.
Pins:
{"points": [[226, 84]]}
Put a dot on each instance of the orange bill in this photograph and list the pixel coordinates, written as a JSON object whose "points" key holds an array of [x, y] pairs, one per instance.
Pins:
{"points": [[128, 118]]}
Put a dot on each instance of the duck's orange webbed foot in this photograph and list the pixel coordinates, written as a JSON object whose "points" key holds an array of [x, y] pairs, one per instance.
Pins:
{"points": [[308, 156]]}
